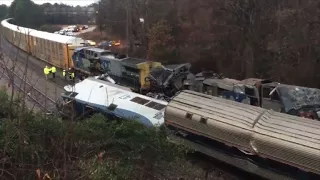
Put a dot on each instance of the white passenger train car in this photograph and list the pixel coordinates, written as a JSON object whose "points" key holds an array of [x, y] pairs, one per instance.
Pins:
{"points": [[117, 100]]}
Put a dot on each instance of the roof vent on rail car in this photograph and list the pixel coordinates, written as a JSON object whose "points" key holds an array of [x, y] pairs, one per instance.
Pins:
{"points": [[203, 120], [189, 116]]}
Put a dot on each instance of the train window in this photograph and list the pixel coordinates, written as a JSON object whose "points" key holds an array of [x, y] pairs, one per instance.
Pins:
{"points": [[155, 105], [139, 100], [151, 104], [203, 120], [112, 107], [189, 116]]}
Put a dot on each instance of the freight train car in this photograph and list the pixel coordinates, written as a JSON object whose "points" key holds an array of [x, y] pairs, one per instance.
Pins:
{"points": [[54, 49], [270, 144]]}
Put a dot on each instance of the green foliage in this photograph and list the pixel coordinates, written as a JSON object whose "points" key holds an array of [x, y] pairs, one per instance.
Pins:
{"points": [[26, 13], [95, 148], [3, 11]]}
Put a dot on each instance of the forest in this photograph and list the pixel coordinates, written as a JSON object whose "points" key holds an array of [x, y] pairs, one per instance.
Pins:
{"points": [[28, 14], [238, 38], [276, 39]]}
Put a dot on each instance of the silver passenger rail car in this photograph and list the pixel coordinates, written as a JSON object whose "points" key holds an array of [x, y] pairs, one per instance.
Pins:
{"points": [[270, 144]]}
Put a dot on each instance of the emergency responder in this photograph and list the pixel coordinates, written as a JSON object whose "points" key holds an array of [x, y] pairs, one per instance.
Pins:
{"points": [[53, 70], [69, 73], [72, 76], [64, 74], [46, 71]]}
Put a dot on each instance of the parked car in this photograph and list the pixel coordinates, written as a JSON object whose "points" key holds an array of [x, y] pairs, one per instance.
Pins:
{"points": [[70, 34], [62, 32], [84, 27]]}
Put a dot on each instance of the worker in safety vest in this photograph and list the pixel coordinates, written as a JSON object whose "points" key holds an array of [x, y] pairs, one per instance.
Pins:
{"points": [[64, 74], [46, 71], [69, 73], [53, 70], [72, 76]]}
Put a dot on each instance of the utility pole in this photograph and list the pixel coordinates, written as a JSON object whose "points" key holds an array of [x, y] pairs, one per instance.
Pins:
{"points": [[127, 28]]}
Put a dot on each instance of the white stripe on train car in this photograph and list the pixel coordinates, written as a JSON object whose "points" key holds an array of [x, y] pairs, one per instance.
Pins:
{"points": [[100, 95], [43, 35]]}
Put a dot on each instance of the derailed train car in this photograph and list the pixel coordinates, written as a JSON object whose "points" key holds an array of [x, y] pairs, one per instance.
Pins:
{"points": [[270, 144]]}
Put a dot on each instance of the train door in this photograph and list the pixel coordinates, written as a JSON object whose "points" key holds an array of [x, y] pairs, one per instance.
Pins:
{"points": [[270, 98]]}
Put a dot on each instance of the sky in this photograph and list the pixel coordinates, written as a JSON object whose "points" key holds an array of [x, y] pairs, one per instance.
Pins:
{"points": [[68, 2]]}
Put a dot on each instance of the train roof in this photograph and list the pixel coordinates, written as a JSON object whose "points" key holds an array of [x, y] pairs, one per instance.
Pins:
{"points": [[43, 35], [103, 95], [278, 136]]}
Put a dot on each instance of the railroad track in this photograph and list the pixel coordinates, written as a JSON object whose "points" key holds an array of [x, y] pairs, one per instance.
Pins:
{"points": [[42, 101], [23, 81]]}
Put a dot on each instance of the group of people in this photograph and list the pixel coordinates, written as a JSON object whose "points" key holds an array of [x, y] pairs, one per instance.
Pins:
{"points": [[69, 73]]}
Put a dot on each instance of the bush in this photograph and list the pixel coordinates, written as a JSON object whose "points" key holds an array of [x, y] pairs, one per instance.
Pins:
{"points": [[95, 148]]}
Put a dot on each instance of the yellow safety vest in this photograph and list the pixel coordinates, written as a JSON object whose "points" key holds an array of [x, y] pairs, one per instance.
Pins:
{"points": [[46, 71], [72, 75], [63, 73], [53, 69]]}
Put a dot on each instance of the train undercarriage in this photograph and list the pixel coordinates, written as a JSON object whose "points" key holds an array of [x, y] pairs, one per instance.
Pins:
{"points": [[250, 163]]}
